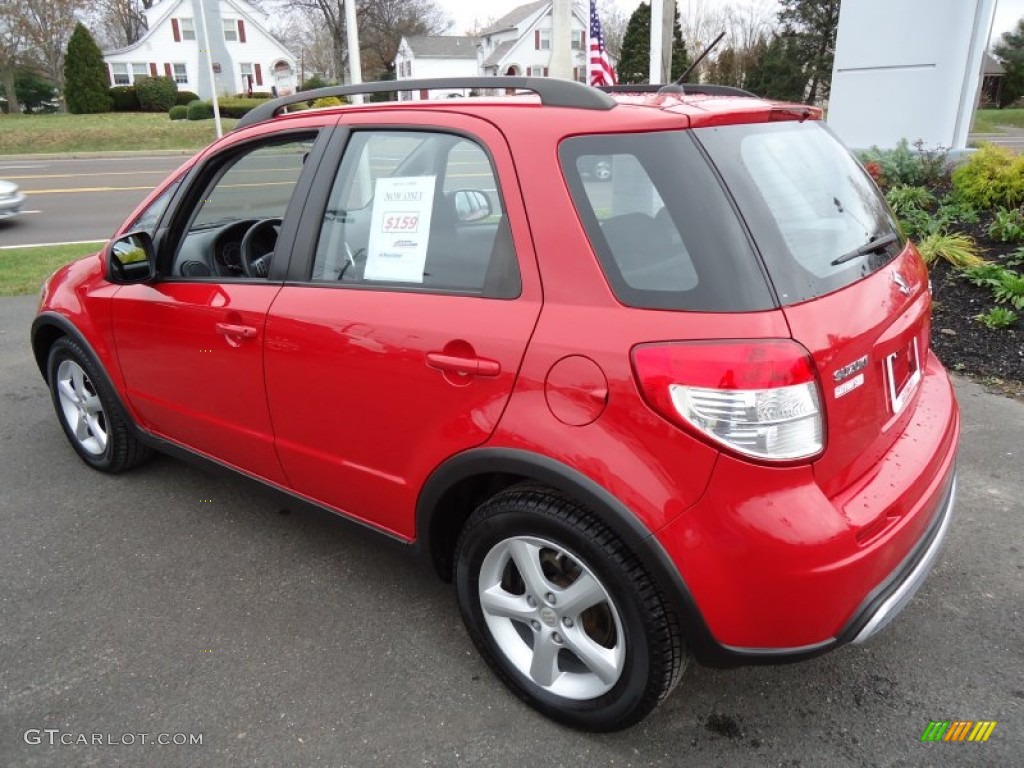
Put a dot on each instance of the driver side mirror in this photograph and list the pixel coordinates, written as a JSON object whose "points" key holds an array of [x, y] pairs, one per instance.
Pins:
{"points": [[132, 259], [471, 205]]}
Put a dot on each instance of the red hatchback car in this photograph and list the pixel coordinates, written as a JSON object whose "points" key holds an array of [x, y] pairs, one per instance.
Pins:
{"points": [[686, 410]]}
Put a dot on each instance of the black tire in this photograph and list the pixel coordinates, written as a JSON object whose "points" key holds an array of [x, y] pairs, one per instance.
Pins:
{"points": [[105, 438], [651, 656]]}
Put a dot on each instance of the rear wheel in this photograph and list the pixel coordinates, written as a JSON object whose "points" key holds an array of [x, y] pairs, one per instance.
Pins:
{"points": [[563, 611], [89, 413]]}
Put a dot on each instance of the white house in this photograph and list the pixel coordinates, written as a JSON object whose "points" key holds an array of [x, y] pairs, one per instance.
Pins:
{"points": [[518, 44], [245, 55], [422, 56]]}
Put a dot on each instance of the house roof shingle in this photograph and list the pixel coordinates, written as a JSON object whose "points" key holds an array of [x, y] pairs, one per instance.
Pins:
{"points": [[442, 46], [514, 17], [499, 53]]}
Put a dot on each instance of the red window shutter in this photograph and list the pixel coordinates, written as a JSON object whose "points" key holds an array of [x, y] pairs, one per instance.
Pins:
{"points": [[241, 31], [545, 71], [176, 30], [536, 39], [259, 73], [152, 69], [167, 71]]}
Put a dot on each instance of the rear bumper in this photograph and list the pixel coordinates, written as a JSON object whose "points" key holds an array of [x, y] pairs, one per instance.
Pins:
{"points": [[778, 571]]}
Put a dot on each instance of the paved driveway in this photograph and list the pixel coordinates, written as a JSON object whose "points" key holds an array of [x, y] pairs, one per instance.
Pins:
{"points": [[170, 601]]}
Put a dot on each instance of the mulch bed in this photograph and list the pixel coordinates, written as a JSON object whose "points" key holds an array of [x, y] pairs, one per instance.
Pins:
{"points": [[963, 344]]}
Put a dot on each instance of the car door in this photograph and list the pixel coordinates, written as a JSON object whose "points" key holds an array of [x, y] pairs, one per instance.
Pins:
{"points": [[397, 339], [190, 344]]}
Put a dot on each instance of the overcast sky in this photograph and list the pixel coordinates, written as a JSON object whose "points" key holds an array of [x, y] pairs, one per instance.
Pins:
{"points": [[465, 12]]}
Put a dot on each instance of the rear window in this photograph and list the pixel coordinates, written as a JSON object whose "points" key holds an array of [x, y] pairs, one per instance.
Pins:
{"points": [[807, 202], [666, 235]]}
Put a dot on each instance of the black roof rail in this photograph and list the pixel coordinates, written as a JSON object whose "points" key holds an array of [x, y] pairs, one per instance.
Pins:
{"points": [[553, 92], [688, 89]]}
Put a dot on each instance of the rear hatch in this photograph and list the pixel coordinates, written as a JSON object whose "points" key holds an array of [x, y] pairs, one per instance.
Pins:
{"points": [[854, 294]]}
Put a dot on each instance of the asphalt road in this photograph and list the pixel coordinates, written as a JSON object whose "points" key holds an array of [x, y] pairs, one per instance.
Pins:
{"points": [[71, 200], [173, 601]]}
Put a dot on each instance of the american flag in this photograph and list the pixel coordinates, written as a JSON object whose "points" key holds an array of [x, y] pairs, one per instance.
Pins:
{"points": [[599, 65]]}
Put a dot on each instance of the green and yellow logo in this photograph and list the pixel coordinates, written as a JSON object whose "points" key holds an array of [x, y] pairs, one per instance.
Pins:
{"points": [[958, 730]]}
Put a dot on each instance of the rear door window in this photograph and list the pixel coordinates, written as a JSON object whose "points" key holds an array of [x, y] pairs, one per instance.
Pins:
{"points": [[807, 201], [665, 233]]}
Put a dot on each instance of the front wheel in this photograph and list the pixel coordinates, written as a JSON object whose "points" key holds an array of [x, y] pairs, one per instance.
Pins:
{"points": [[563, 612], [89, 413]]}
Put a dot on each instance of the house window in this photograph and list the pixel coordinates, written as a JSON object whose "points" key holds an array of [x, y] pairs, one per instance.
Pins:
{"points": [[544, 40], [140, 71], [248, 79], [188, 29], [230, 30], [579, 42], [536, 71], [120, 72], [180, 74]]}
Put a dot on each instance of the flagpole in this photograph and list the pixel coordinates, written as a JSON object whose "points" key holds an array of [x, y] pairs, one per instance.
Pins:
{"points": [[355, 67], [213, 75]]}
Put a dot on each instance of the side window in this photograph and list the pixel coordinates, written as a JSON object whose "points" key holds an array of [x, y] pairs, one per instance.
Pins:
{"points": [[234, 226], [149, 218], [418, 211]]}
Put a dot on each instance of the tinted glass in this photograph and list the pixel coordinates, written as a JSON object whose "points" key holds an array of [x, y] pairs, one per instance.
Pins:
{"points": [[665, 233], [807, 201]]}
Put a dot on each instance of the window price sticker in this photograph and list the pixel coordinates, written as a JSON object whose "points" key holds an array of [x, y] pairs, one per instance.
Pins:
{"points": [[400, 229]]}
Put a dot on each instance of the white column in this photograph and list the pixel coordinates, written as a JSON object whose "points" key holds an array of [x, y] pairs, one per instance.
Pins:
{"points": [[355, 66]]}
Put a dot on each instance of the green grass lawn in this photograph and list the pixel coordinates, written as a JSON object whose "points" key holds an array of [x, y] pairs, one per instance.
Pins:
{"points": [[990, 120], [23, 134], [22, 270]]}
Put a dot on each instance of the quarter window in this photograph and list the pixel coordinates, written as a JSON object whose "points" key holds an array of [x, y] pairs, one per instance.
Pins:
{"points": [[414, 210]]}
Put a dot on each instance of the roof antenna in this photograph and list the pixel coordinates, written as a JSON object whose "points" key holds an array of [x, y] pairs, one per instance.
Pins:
{"points": [[677, 86]]}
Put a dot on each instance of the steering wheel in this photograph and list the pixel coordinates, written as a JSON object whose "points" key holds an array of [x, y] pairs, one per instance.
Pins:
{"points": [[256, 255]]}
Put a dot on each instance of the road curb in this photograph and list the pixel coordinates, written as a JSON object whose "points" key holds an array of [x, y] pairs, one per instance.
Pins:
{"points": [[113, 155]]}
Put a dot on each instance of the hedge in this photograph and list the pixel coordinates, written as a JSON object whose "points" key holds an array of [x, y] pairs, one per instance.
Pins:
{"points": [[124, 98], [178, 112], [156, 94], [199, 110], [184, 98], [238, 107]]}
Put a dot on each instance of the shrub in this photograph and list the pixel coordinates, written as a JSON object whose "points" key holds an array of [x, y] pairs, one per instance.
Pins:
{"points": [[997, 318], [237, 107], [903, 165], [199, 110], [985, 275], [85, 75], [1010, 289], [1007, 226], [312, 83], [178, 112], [156, 94], [992, 176], [958, 250], [184, 98], [124, 98], [327, 101], [903, 199], [254, 95]]}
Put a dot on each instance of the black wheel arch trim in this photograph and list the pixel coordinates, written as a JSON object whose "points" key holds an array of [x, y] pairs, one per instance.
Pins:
{"points": [[616, 515], [67, 328]]}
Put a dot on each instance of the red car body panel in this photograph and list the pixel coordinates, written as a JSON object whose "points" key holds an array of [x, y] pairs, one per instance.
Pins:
{"points": [[333, 398]]}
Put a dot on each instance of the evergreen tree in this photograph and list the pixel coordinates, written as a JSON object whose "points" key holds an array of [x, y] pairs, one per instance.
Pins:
{"points": [[777, 73], [85, 74], [1010, 52], [635, 59], [811, 27]]}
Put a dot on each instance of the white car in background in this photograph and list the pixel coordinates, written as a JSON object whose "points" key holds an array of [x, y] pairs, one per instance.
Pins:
{"points": [[11, 199]]}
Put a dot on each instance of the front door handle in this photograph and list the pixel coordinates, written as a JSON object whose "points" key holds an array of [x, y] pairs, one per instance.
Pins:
{"points": [[464, 366], [232, 331]]}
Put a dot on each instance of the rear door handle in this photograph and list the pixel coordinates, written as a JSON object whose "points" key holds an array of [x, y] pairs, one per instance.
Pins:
{"points": [[466, 366], [238, 331]]}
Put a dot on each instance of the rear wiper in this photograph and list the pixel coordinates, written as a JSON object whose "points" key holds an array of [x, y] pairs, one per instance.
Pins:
{"points": [[872, 245]]}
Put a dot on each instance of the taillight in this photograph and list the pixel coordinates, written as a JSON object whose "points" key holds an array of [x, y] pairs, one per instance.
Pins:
{"points": [[759, 398]]}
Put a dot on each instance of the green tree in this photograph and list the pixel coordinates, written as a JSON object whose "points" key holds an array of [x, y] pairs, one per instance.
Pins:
{"points": [[1010, 52], [775, 72], [812, 25], [635, 59], [85, 74]]}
